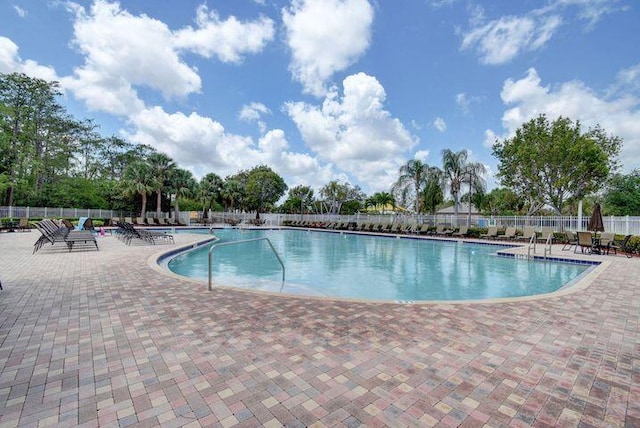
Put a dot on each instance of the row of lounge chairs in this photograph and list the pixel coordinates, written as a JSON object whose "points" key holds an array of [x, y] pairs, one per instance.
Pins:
{"points": [[147, 221], [63, 232], [127, 232], [398, 228]]}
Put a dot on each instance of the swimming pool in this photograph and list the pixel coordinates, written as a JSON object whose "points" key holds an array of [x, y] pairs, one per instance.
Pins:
{"points": [[372, 267]]}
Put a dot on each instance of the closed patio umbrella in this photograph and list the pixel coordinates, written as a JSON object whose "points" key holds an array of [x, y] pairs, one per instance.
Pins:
{"points": [[595, 222]]}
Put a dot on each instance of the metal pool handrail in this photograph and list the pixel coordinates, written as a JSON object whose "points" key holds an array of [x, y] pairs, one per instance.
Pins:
{"points": [[214, 246]]}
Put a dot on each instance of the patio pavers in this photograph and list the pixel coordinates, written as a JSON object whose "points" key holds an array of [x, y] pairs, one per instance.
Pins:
{"points": [[102, 339]]}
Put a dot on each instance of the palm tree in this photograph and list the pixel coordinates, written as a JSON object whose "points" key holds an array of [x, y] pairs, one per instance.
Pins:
{"points": [[413, 176], [457, 171], [182, 184], [136, 181], [231, 192], [209, 190], [162, 166]]}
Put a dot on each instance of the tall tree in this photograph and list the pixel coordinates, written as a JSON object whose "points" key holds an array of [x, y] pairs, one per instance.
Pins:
{"points": [[138, 180], [335, 194], [549, 162], [622, 195], [182, 184], [456, 171], [232, 192], [411, 181], [264, 188], [209, 189], [298, 198], [162, 166]]}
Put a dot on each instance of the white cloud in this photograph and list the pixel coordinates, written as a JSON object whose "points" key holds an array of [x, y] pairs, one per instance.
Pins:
{"points": [[228, 39], [500, 40], [10, 62], [20, 11], [465, 102], [618, 114], [253, 113], [440, 124], [422, 155], [325, 36], [123, 51], [354, 132], [202, 145]]}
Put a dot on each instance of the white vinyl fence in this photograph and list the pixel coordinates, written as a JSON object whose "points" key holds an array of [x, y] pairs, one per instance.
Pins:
{"points": [[621, 225]]}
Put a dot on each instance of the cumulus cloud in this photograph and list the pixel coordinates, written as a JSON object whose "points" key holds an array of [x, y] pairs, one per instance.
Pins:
{"points": [[325, 36], [202, 145], [355, 132], [618, 113], [10, 62], [253, 113], [124, 52], [228, 39], [20, 11], [440, 124], [500, 40]]}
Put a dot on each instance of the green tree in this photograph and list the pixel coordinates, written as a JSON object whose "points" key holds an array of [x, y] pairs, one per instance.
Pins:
{"points": [[182, 184], [622, 195], [432, 194], [161, 166], [335, 194], [263, 189], [549, 162], [298, 198], [209, 190], [232, 192], [380, 200], [503, 201], [456, 171], [37, 136], [411, 182], [138, 180]]}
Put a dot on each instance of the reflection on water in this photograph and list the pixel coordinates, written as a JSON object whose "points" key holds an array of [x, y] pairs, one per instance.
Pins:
{"points": [[357, 266]]}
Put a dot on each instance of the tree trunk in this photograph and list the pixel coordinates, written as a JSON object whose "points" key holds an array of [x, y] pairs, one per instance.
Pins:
{"points": [[159, 204], [143, 210]]}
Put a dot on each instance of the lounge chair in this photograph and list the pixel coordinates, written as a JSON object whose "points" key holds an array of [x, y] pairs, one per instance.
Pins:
{"points": [[128, 232], [585, 242], [544, 234], [439, 230], [424, 229], [527, 234], [509, 233], [463, 231], [571, 240], [53, 233], [492, 233], [623, 245]]}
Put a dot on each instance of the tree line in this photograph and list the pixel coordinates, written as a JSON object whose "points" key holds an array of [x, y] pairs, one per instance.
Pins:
{"points": [[49, 158]]}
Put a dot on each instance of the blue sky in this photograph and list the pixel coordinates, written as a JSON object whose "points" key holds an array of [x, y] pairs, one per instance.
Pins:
{"points": [[331, 89]]}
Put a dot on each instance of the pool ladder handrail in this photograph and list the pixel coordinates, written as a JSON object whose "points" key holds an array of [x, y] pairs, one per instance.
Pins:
{"points": [[547, 245], [532, 242], [220, 244]]}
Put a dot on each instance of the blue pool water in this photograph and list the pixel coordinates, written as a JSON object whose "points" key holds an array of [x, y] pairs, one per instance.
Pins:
{"points": [[369, 267]]}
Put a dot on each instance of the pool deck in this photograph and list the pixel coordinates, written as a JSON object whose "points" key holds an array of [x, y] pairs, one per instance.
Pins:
{"points": [[102, 338]]}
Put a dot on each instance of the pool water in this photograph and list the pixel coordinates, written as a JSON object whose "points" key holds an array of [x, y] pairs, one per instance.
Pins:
{"points": [[370, 267]]}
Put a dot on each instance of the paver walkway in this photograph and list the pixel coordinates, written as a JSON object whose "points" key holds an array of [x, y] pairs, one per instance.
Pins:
{"points": [[98, 338]]}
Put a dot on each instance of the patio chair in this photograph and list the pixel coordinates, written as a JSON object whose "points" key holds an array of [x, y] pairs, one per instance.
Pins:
{"points": [[623, 245], [527, 233], [605, 243], [571, 240], [492, 232], [585, 242], [463, 231], [544, 234], [51, 233], [509, 233]]}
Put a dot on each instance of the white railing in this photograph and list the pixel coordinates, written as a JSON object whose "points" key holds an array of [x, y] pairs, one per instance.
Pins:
{"points": [[622, 225]]}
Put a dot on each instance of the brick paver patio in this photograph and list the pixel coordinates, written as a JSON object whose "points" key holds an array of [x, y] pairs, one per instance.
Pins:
{"points": [[99, 338]]}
